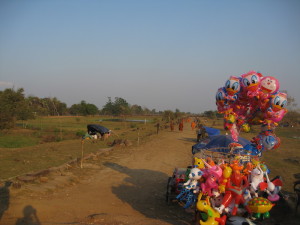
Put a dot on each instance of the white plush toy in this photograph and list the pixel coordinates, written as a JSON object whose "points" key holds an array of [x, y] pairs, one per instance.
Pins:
{"points": [[194, 176]]}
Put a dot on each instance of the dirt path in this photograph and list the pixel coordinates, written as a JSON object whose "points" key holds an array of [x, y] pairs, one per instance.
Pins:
{"points": [[125, 186]]}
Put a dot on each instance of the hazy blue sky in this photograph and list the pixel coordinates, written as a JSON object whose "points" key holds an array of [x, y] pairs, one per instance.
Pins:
{"points": [[162, 54]]}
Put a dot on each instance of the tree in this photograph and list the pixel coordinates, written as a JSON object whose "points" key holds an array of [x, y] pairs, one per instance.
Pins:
{"points": [[119, 107], [25, 112], [37, 106], [83, 109], [90, 109], [54, 106], [136, 110], [13, 106], [210, 114], [178, 114], [293, 116], [146, 111], [153, 111], [108, 107], [291, 102], [74, 110], [168, 115]]}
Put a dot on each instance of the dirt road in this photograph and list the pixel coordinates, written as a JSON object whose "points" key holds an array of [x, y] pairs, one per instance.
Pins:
{"points": [[124, 186]]}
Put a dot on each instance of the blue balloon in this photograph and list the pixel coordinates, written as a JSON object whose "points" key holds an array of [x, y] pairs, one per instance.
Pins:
{"points": [[253, 150]]}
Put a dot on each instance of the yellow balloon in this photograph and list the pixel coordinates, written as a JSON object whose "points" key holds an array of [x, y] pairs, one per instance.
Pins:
{"points": [[246, 127]]}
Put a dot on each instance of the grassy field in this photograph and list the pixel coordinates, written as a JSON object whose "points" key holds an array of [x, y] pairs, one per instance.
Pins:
{"points": [[52, 141]]}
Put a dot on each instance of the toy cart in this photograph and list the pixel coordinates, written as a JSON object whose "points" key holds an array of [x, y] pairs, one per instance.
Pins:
{"points": [[175, 183]]}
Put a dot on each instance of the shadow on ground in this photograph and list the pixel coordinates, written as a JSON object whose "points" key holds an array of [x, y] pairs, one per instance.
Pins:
{"points": [[29, 217], [284, 212], [193, 140], [4, 198], [145, 192]]}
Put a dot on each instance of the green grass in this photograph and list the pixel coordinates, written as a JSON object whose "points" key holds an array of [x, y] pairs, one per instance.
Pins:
{"points": [[10, 141], [53, 141]]}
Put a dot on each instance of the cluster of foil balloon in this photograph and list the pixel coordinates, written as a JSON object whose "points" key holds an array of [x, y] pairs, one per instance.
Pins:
{"points": [[252, 99]]}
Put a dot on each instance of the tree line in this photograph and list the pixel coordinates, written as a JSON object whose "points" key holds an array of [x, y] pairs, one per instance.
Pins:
{"points": [[15, 106]]}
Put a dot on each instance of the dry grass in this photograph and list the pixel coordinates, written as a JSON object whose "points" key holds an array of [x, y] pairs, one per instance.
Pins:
{"points": [[284, 161], [51, 152]]}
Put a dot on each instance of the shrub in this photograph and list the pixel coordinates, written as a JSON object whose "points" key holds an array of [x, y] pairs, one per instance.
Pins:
{"points": [[80, 133], [133, 125]]}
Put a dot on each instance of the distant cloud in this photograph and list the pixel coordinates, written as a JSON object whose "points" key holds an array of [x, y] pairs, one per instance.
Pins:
{"points": [[6, 84]]}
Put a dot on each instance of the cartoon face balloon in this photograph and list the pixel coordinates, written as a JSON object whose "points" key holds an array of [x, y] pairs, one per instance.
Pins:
{"points": [[232, 85], [220, 95], [279, 101], [269, 85], [269, 141], [221, 99], [251, 81]]}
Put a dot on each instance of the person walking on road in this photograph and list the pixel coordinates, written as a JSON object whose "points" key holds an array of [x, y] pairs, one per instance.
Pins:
{"points": [[172, 125], [180, 126], [157, 128], [201, 132]]}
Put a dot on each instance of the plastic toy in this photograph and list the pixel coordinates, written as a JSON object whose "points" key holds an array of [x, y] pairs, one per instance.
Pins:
{"points": [[190, 187], [260, 207], [248, 168], [194, 176], [198, 163], [203, 205], [187, 196], [234, 189], [272, 188], [256, 177], [211, 175], [225, 176]]}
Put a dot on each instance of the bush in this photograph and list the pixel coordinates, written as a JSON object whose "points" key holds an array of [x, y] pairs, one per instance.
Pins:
{"points": [[80, 133], [133, 125]]}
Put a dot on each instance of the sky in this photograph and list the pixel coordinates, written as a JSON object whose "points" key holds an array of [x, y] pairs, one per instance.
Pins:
{"points": [[160, 54]]}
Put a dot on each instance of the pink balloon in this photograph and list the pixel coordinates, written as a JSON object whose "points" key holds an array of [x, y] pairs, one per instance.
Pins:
{"points": [[251, 82], [277, 110]]}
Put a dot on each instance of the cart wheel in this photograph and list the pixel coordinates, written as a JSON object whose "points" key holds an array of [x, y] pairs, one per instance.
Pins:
{"points": [[169, 189]]}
